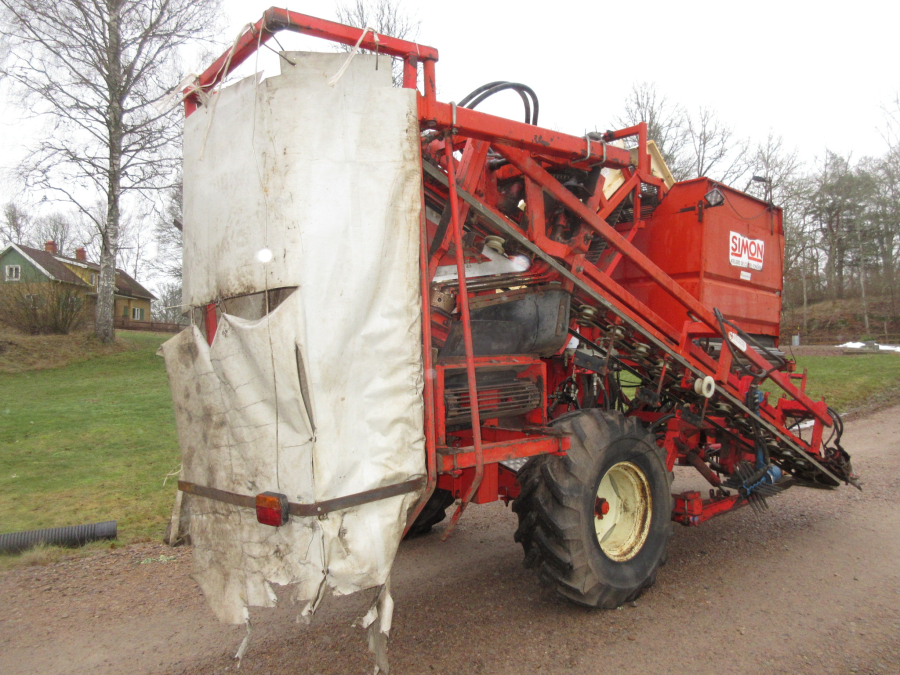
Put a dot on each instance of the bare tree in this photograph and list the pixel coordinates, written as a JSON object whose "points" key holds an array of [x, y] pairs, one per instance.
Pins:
{"points": [[16, 227], [96, 69], [890, 130], [665, 124], [60, 228], [135, 242], [776, 176], [168, 306], [838, 207], [886, 218], [776, 172], [691, 145], [167, 233], [386, 17], [711, 148]]}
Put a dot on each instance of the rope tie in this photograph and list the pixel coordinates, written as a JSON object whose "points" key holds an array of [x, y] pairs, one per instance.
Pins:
{"points": [[339, 74]]}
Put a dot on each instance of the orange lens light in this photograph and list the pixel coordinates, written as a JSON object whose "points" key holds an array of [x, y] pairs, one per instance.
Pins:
{"points": [[272, 509]]}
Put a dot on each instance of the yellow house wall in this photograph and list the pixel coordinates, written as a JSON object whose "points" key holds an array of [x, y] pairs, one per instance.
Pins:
{"points": [[125, 305]]}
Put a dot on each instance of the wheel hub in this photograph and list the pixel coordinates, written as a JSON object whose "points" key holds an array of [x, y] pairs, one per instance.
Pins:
{"points": [[622, 511]]}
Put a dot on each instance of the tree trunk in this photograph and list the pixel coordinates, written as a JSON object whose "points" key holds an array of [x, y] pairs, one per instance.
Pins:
{"points": [[862, 277], [104, 327], [886, 250], [803, 274]]}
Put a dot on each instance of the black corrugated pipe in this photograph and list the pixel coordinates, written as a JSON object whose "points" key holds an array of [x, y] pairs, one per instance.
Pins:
{"points": [[74, 535]]}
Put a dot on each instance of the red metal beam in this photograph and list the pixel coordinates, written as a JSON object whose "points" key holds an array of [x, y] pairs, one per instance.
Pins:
{"points": [[499, 130], [276, 19], [500, 451], [465, 319], [210, 322]]}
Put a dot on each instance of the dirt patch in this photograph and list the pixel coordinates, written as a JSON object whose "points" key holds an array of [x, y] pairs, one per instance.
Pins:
{"points": [[843, 320], [812, 586], [20, 352]]}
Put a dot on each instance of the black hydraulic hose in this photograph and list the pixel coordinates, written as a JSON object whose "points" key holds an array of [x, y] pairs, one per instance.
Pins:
{"points": [[662, 420], [485, 91], [499, 85], [520, 89], [491, 92], [74, 535], [482, 88], [837, 430]]}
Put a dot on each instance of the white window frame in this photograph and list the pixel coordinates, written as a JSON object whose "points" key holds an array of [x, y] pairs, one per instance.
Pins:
{"points": [[18, 272], [134, 313], [93, 280]]}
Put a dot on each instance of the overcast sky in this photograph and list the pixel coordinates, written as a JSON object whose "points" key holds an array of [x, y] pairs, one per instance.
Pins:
{"points": [[815, 73]]}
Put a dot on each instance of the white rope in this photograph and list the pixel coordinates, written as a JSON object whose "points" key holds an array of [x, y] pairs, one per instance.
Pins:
{"points": [[174, 473], [179, 92], [339, 74], [242, 649]]}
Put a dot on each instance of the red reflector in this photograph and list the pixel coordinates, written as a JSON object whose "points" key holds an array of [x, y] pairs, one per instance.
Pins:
{"points": [[272, 509]]}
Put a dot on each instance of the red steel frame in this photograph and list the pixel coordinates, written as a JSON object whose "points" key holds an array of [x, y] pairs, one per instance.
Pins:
{"points": [[529, 151]]}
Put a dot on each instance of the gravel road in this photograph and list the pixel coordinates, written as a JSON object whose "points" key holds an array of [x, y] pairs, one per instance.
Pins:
{"points": [[813, 586]]}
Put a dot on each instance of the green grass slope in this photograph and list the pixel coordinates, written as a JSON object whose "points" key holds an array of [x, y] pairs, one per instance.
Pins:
{"points": [[858, 383], [89, 441]]}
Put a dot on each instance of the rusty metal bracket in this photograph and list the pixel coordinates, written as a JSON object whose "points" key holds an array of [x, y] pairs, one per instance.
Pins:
{"points": [[307, 510]]}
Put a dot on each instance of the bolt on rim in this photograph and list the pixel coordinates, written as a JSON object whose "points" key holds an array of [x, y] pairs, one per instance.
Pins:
{"points": [[623, 511]]}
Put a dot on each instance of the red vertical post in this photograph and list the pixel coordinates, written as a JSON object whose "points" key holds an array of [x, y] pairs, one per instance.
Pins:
{"points": [[430, 86], [410, 71], [210, 320], [463, 299], [428, 359]]}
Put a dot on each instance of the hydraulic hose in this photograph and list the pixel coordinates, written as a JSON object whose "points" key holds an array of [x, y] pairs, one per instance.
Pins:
{"points": [[487, 90]]}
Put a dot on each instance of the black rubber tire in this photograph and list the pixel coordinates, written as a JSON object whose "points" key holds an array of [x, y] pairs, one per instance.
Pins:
{"points": [[434, 511], [556, 510]]}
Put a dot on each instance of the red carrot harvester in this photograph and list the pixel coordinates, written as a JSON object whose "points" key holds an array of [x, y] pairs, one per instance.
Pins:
{"points": [[401, 304]]}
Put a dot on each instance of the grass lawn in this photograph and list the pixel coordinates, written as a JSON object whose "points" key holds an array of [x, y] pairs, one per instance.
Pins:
{"points": [[851, 383], [89, 441]]}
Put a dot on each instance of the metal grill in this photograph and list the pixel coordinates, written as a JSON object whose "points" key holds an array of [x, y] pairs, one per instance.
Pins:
{"points": [[498, 399]]}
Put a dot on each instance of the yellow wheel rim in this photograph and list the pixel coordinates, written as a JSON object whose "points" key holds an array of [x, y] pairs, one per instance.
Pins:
{"points": [[622, 511]]}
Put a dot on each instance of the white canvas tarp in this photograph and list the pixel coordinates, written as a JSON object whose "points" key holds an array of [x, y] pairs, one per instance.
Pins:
{"points": [[296, 185]]}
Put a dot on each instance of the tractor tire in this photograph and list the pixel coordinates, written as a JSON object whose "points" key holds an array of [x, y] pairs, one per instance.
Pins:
{"points": [[605, 561], [434, 511]]}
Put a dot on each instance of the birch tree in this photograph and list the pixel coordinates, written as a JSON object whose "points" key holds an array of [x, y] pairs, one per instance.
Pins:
{"points": [[96, 69]]}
